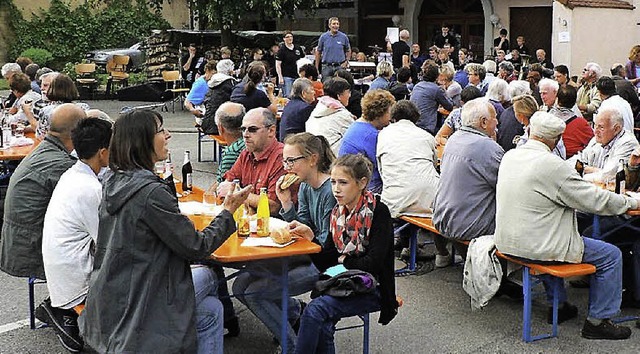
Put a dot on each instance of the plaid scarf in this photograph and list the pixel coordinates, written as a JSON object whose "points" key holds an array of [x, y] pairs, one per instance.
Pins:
{"points": [[351, 231]]}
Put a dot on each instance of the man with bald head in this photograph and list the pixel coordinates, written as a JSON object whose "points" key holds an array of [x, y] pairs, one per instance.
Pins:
{"points": [[28, 194], [400, 51]]}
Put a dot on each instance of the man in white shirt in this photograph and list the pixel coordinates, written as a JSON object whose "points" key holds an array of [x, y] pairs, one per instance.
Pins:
{"points": [[71, 227], [610, 99]]}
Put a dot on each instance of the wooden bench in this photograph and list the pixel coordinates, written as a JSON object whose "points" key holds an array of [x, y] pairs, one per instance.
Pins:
{"points": [[423, 223]]}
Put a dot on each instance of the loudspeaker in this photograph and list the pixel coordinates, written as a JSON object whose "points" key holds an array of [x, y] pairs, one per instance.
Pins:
{"points": [[150, 92]]}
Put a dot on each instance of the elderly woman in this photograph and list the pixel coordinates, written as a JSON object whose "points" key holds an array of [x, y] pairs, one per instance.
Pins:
{"points": [[508, 125], [498, 95], [383, 81], [8, 70], [452, 88], [407, 157], [362, 136], [331, 118], [505, 71], [477, 74], [299, 108], [220, 87]]}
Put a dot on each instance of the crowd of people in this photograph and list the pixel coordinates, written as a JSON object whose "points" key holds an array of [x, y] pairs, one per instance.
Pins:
{"points": [[127, 272]]}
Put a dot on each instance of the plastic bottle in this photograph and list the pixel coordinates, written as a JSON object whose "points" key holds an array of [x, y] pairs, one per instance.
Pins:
{"points": [[263, 213]]}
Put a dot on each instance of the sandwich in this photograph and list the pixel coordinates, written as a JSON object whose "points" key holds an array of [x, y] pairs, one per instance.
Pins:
{"points": [[281, 236], [288, 180]]}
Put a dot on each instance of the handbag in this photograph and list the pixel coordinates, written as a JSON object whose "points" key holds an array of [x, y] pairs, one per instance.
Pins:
{"points": [[349, 283]]}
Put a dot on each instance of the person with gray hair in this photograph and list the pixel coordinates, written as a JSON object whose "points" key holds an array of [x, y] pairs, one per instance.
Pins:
{"points": [[220, 87], [506, 71], [548, 89], [610, 144], [498, 95], [297, 111], [383, 80], [400, 51], [589, 99], [225, 66], [508, 125], [532, 176], [8, 70], [464, 207]]}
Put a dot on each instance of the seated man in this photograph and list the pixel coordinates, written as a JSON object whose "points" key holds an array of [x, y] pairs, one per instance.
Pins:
{"points": [[578, 132], [71, 225], [194, 102], [531, 180], [464, 206], [610, 144], [260, 164], [27, 197], [610, 99], [229, 120]]}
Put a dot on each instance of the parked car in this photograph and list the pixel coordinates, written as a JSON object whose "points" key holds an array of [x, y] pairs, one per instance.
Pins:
{"points": [[135, 53]]}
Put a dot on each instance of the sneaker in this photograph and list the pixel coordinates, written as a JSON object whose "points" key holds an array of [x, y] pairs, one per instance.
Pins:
{"points": [[566, 311], [443, 261], [296, 325], [65, 323], [41, 313], [605, 330], [232, 328]]}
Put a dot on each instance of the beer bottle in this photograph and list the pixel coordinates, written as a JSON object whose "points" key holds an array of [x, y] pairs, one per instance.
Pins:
{"points": [[620, 178], [263, 213], [187, 171]]}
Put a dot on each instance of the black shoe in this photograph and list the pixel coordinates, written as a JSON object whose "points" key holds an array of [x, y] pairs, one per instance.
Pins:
{"points": [[233, 327], [296, 325], [41, 313], [510, 289], [605, 330], [566, 311], [65, 323]]}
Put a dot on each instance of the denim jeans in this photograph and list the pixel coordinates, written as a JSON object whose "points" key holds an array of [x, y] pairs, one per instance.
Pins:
{"points": [[261, 293], [605, 291], [287, 85], [318, 322], [328, 71], [209, 311]]}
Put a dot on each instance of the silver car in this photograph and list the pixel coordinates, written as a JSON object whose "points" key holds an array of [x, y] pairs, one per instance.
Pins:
{"points": [[135, 52]]}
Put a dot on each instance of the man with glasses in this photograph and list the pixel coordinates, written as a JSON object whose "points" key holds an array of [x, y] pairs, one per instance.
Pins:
{"points": [[588, 97], [260, 164]]}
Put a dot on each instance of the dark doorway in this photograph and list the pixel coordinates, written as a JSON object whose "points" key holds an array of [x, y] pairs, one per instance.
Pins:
{"points": [[534, 23], [466, 18]]}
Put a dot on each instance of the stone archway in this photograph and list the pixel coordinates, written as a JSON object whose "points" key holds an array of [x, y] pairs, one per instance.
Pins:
{"points": [[412, 10]]}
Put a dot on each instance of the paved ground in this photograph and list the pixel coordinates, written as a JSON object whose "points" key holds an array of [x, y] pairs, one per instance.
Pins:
{"points": [[436, 316]]}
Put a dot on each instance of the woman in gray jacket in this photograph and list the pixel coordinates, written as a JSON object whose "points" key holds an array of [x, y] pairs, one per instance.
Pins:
{"points": [[141, 296]]}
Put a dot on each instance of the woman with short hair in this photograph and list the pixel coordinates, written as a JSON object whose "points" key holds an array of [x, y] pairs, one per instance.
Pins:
{"points": [[296, 113]]}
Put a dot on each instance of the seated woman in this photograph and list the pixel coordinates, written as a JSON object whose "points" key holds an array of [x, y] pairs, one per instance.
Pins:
{"points": [[356, 96], [331, 118], [299, 108], [310, 158], [310, 72], [524, 107], [248, 94], [383, 81], [362, 135], [141, 295], [498, 95], [407, 160], [20, 85], [452, 88], [361, 237]]}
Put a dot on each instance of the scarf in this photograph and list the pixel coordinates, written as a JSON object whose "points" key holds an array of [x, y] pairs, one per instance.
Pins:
{"points": [[350, 230]]}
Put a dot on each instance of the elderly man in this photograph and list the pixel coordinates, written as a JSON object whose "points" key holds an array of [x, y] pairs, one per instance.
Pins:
{"points": [[588, 98], [260, 164], [610, 144], [229, 120], [578, 132], [548, 92], [505, 71], [464, 205], [548, 66], [333, 50], [400, 51], [610, 99], [532, 179], [8, 70], [428, 96], [26, 202]]}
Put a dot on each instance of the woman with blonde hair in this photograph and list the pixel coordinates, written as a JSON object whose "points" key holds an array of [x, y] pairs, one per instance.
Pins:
{"points": [[633, 66], [524, 107], [383, 81]]}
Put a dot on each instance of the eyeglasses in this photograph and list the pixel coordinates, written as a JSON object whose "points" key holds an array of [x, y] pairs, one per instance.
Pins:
{"points": [[252, 129], [290, 161], [161, 130]]}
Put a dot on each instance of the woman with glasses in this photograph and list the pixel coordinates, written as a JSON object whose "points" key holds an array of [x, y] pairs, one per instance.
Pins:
{"points": [[286, 59], [141, 295], [299, 108]]}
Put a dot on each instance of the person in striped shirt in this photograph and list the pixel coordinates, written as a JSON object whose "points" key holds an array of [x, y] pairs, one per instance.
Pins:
{"points": [[229, 119]]}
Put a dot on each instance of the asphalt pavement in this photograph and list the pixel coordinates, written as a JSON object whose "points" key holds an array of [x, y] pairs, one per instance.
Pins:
{"points": [[436, 316]]}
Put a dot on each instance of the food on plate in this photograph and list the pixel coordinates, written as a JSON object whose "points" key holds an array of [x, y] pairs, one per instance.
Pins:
{"points": [[288, 180], [281, 236]]}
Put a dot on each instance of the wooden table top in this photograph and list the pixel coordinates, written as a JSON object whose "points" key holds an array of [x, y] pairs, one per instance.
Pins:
{"points": [[19, 152], [232, 251]]}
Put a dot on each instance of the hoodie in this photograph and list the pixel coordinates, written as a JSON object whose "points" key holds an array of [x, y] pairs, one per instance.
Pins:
{"points": [[331, 120], [141, 294], [220, 87]]}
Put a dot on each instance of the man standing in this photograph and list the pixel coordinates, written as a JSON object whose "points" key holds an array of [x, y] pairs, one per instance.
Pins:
{"points": [[610, 144], [610, 99], [588, 98], [530, 180], [191, 63], [464, 206], [444, 37], [229, 120], [333, 50], [260, 164], [28, 194], [401, 51]]}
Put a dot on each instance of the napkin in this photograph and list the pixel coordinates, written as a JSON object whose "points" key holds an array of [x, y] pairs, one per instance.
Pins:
{"points": [[22, 141], [263, 242]]}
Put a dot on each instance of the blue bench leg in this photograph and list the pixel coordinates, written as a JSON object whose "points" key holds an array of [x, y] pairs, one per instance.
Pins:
{"points": [[557, 283], [526, 316], [32, 309], [365, 334]]}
